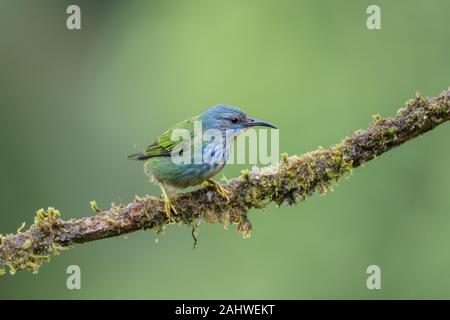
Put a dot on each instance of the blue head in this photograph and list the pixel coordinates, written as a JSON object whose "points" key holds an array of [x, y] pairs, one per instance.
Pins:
{"points": [[224, 117]]}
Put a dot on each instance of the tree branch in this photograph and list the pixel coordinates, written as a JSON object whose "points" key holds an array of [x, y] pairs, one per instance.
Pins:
{"points": [[294, 178]]}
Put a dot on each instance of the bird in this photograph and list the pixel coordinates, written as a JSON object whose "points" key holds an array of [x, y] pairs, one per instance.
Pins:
{"points": [[164, 168]]}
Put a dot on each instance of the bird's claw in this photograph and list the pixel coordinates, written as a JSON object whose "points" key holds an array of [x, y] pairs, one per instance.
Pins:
{"points": [[169, 207], [220, 189], [167, 203], [223, 192]]}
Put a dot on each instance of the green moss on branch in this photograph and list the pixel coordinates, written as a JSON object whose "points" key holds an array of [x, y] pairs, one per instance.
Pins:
{"points": [[294, 179]]}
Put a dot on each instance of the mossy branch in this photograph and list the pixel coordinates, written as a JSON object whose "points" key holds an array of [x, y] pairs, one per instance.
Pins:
{"points": [[294, 179]]}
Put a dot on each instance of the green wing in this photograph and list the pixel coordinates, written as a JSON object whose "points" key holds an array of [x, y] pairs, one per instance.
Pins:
{"points": [[164, 145]]}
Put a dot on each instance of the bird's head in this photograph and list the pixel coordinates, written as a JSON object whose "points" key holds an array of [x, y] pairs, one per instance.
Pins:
{"points": [[224, 117]]}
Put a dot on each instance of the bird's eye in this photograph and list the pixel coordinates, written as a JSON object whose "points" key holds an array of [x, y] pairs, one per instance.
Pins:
{"points": [[234, 120]]}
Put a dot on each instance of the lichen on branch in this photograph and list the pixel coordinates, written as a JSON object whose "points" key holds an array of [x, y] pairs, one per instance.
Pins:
{"points": [[294, 179]]}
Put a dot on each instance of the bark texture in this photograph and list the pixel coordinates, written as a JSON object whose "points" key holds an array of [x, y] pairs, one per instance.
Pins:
{"points": [[294, 179]]}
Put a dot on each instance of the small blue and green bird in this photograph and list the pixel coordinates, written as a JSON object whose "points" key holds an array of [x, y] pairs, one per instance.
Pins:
{"points": [[160, 166]]}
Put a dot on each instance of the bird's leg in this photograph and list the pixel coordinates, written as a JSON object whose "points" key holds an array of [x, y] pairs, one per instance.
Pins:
{"points": [[167, 204], [219, 188]]}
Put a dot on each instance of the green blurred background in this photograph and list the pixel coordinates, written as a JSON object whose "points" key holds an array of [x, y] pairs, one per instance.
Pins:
{"points": [[74, 104]]}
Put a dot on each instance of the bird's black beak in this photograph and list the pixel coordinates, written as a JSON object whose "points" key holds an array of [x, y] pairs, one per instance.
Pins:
{"points": [[254, 123]]}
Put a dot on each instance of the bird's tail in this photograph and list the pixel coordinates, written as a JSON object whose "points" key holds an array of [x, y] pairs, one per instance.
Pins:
{"points": [[138, 156]]}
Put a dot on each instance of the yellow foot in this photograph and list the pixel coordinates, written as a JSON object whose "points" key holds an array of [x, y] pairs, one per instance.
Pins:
{"points": [[220, 189], [169, 207], [167, 203]]}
